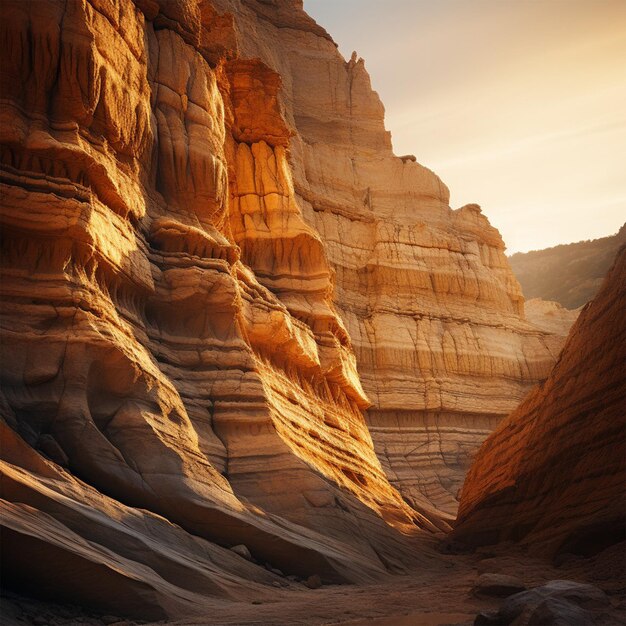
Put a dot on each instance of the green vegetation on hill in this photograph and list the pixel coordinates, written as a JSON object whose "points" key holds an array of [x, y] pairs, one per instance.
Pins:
{"points": [[571, 273]]}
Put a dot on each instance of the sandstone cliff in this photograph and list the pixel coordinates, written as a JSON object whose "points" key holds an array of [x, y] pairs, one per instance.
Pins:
{"points": [[212, 265], [553, 474], [169, 334], [433, 311]]}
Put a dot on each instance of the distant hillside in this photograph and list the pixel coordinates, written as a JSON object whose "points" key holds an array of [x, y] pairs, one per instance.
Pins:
{"points": [[570, 274]]}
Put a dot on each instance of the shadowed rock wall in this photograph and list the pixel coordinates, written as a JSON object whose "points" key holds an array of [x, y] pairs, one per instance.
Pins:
{"points": [[553, 474]]}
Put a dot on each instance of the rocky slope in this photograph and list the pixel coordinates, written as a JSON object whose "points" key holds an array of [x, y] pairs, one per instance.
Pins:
{"points": [[204, 233], [553, 474], [570, 274]]}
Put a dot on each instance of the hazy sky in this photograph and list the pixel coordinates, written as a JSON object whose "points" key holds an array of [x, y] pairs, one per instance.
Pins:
{"points": [[519, 105]]}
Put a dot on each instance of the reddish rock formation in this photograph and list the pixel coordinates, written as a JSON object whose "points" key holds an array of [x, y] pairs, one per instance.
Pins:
{"points": [[553, 474]]}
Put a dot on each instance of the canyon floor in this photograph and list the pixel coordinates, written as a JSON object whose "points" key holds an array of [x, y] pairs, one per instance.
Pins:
{"points": [[440, 593]]}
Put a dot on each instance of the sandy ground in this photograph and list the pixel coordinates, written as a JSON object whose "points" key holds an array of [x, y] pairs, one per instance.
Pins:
{"points": [[434, 596], [438, 594]]}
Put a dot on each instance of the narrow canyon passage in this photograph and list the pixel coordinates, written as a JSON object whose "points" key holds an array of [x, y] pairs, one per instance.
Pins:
{"points": [[249, 354], [442, 593]]}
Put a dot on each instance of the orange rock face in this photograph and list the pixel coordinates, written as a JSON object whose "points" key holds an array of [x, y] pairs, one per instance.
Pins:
{"points": [[553, 474], [212, 265], [168, 327], [432, 309]]}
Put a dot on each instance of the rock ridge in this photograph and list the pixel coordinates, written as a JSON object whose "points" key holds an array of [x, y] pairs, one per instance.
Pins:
{"points": [[553, 473]]}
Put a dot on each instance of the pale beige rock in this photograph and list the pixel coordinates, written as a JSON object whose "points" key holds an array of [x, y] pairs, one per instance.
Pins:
{"points": [[550, 316], [427, 296]]}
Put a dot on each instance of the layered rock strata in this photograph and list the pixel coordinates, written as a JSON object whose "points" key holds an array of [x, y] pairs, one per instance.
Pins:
{"points": [[553, 474], [212, 264], [433, 311], [168, 329]]}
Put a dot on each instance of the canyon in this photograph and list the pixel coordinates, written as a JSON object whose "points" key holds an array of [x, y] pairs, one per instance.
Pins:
{"points": [[247, 351]]}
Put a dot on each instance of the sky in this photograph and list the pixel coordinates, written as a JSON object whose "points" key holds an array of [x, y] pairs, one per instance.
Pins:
{"points": [[518, 105]]}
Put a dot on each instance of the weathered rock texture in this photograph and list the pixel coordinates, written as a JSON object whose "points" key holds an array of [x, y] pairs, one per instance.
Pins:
{"points": [[204, 232], [431, 306], [550, 316], [553, 474], [169, 334]]}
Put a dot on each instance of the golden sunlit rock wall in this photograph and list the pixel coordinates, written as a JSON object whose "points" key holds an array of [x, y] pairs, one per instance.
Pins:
{"points": [[432, 309]]}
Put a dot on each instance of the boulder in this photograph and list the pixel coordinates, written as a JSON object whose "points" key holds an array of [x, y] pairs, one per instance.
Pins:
{"points": [[557, 603], [313, 582], [497, 585], [242, 551]]}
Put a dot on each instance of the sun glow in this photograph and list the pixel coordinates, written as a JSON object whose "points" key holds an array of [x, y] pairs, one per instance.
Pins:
{"points": [[518, 106]]}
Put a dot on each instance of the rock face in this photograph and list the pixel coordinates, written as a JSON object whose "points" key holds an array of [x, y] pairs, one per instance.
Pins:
{"points": [[570, 274], [550, 316], [167, 316], [204, 232], [553, 474], [434, 314]]}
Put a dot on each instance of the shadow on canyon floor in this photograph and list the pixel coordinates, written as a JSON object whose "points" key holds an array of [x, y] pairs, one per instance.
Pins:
{"points": [[441, 594]]}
